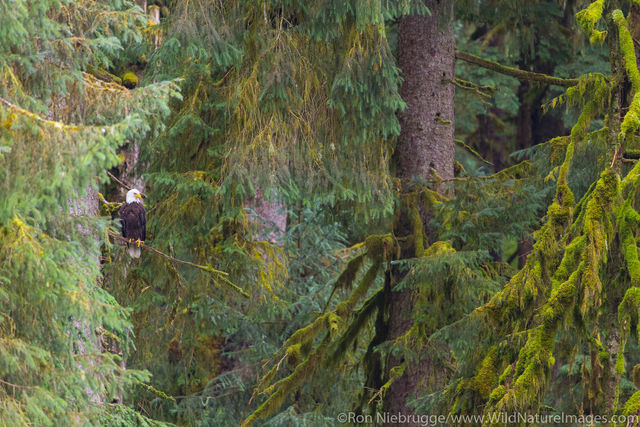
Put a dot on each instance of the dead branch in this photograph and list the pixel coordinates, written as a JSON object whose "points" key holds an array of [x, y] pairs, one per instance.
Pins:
{"points": [[221, 274]]}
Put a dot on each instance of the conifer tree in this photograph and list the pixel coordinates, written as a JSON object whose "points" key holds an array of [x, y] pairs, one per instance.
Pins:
{"points": [[299, 99], [578, 247], [425, 150], [575, 295], [62, 119], [408, 304]]}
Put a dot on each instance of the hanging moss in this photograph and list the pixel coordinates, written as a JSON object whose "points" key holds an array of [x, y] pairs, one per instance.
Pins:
{"points": [[379, 246], [627, 48], [486, 378], [294, 355], [497, 394], [355, 326], [628, 219], [631, 121], [632, 406], [628, 309], [636, 375], [360, 291], [309, 332], [280, 389], [298, 349], [348, 276], [506, 374], [589, 17], [571, 258], [629, 246], [535, 359], [411, 201]]}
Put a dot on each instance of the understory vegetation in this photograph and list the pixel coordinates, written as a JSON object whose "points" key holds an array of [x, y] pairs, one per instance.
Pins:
{"points": [[352, 207]]}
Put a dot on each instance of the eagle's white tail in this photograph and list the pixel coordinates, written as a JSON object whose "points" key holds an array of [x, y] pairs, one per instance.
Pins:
{"points": [[134, 251]]}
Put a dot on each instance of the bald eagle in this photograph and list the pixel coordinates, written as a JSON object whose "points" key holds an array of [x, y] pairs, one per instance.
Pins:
{"points": [[134, 222]]}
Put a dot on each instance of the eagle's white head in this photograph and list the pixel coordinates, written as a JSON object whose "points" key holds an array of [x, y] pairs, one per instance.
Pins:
{"points": [[134, 196]]}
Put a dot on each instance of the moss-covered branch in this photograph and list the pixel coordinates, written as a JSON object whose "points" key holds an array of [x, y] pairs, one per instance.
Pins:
{"points": [[515, 72], [299, 350], [221, 274]]}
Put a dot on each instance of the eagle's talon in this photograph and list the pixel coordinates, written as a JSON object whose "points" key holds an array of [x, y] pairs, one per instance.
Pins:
{"points": [[139, 242]]}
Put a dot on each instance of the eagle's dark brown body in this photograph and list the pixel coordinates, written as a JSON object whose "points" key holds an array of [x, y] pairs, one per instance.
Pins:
{"points": [[134, 224]]}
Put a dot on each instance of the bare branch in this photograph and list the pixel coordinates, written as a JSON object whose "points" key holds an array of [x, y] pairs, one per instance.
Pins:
{"points": [[221, 274], [122, 184]]}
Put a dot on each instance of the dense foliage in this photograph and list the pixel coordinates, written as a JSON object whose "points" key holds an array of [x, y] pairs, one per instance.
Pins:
{"points": [[265, 136], [60, 128]]}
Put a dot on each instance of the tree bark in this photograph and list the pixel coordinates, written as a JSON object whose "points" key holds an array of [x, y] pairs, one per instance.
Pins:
{"points": [[426, 56]]}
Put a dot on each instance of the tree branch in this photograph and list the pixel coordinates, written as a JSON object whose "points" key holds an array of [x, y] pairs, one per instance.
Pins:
{"points": [[57, 125], [514, 72], [122, 184], [207, 268]]}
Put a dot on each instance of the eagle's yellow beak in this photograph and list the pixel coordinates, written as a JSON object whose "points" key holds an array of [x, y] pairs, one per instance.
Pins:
{"points": [[138, 195]]}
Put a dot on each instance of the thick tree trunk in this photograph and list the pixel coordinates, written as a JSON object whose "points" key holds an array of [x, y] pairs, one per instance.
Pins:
{"points": [[426, 55]]}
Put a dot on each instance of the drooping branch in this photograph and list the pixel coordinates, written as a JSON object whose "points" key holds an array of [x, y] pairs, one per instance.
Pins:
{"points": [[515, 72], [208, 268]]}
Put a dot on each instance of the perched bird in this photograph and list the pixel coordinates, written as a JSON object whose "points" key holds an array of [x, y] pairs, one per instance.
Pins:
{"points": [[134, 222]]}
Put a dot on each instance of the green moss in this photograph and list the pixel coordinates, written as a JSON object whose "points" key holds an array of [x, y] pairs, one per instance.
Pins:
{"points": [[348, 275], [497, 394], [278, 391], [629, 248], [378, 246], [129, 80], [561, 296], [439, 248], [345, 307], [103, 74], [309, 332], [631, 121], [636, 375], [628, 308], [394, 373], [294, 354], [486, 378], [418, 227], [628, 49], [333, 324], [633, 217], [506, 374], [589, 17], [632, 406], [620, 363], [571, 258], [355, 326]]}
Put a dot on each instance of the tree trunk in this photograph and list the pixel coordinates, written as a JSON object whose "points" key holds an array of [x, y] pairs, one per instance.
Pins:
{"points": [[426, 52], [426, 55]]}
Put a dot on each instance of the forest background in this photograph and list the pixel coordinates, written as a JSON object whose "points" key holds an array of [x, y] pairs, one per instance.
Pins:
{"points": [[354, 206]]}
